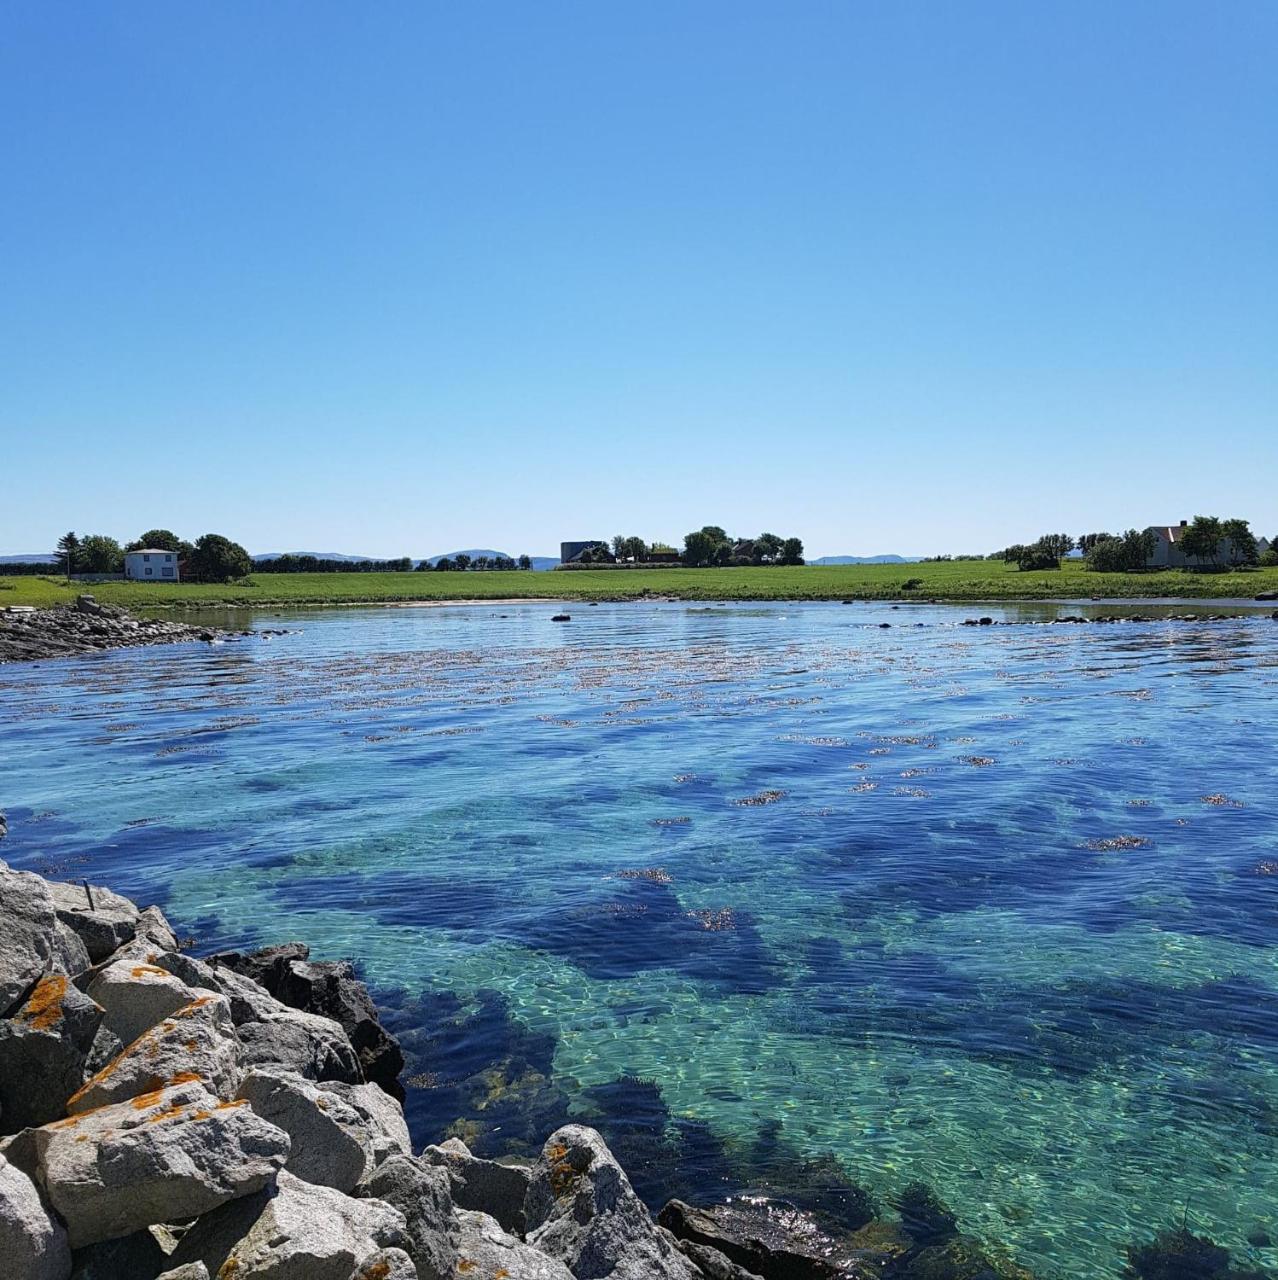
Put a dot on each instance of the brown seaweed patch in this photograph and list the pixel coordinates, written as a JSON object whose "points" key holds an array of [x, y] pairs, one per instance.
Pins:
{"points": [[654, 875], [977, 762], [760, 798], [714, 921], [1220, 801], [671, 822], [866, 784], [1110, 844]]}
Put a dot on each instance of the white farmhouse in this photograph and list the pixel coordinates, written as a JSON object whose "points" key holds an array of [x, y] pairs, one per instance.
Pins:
{"points": [[151, 565]]}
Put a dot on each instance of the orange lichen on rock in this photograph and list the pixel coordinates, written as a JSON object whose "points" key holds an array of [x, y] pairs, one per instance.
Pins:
{"points": [[44, 1008], [184, 1077], [144, 1100], [171, 1113], [149, 970], [377, 1271], [465, 1264], [228, 1269]]}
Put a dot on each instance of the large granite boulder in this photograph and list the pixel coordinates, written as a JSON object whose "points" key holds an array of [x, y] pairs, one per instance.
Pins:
{"points": [[484, 1186], [330, 1142], [330, 989], [196, 1042], [293, 1230], [103, 920], [486, 1250], [33, 1243], [161, 1157], [137, 995], [30, 944], [44, 1047], [582, 1210], [272, 1035], [383, 1118], [420, 1192]]}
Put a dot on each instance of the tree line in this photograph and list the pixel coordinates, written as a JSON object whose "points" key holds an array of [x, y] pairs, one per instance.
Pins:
{"points": [[711, 546], [463, 563], [1209, 541], [210, 558]]}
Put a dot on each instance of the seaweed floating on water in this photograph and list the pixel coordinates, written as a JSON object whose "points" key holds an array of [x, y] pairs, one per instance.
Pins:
{"points": [[1111, 843], [1220, 801], [654, 875], [759, 798]]}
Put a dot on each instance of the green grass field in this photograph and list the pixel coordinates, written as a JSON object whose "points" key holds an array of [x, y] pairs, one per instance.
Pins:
{"points": [[946, 580]]}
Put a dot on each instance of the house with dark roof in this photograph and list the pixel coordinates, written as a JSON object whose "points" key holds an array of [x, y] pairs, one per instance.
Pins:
{"points": [[1169, 554]]}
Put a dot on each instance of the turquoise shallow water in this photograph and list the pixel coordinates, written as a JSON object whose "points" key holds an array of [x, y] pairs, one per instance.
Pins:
{"points": [[994, 908]]}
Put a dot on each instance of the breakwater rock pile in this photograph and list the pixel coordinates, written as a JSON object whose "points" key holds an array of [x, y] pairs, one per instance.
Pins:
{"points": [[164, 1117], [85, 626]]}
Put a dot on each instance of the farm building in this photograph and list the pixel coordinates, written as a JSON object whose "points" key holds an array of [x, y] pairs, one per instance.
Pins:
{"points": [[151, 565], [1168, 553]]}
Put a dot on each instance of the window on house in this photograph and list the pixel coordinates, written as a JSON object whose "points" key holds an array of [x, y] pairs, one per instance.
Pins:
{"points": [[147, 559], [168, 573]]}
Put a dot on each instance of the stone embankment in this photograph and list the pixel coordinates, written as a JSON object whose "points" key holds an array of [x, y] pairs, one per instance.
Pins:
{"points": [[27, 634], [238, 1117]]}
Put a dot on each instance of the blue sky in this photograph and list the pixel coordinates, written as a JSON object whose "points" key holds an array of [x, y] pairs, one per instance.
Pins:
{"points": [[401, 278]]}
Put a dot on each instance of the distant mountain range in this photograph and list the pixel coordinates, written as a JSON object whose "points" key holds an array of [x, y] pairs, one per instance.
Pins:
{"points": [[319, 555], [867, 560], [36, 557]]}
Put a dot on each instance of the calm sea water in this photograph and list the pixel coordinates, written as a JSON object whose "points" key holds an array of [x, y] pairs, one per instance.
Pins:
{"points": [[746, 886]]}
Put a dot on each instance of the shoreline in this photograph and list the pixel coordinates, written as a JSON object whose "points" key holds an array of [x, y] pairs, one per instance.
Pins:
{"points": [[168, 1117]]}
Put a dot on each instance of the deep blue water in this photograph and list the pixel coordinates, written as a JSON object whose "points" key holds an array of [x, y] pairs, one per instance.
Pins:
{"points": [[748, 886]]}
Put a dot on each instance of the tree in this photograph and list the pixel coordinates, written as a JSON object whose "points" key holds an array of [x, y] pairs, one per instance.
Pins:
{"points": [[444, 564], [767, 547], [68, 552], [525, 562], [1242, 542], [1127, 553], [792, 551], [160, 540], [1086, 541], [461, 562], [100, 554], [1055, 545], [1201, 539], [217, 559], [698, 549]]}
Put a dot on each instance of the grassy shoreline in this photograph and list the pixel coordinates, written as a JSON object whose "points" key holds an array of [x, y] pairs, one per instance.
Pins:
{"points": [[943, 581]]}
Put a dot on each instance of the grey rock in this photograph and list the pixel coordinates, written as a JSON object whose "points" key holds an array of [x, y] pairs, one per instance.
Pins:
{"points": [[70, 955], [582, 1210], [487, 1251], [29, 946], [137, 995], [294, 1230], [197, 1041], [106, 1045], [43, 1051], [272, 1034], [329, 1143], [106, 925], [331, 990], [712, 1264], [152, 927], [386, 1264], [162, 1157], [383, 1118], [33, 1243], [767, 1237], [188, 1271], [420, 1192], [485, 1186]]}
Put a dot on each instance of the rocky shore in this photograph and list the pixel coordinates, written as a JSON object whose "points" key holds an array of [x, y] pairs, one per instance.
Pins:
{"points": [[27, 635]]}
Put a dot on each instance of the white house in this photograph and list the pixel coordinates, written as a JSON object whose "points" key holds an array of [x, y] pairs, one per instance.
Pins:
{"points": [[151, 565]]}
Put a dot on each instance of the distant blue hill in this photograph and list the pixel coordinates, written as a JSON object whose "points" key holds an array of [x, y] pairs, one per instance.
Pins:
{"points": [[36, 557], [319, 555], [867, 560]]}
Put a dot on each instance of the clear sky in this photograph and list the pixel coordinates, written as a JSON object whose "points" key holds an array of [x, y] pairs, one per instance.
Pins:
{"points": [[400, 278]]}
